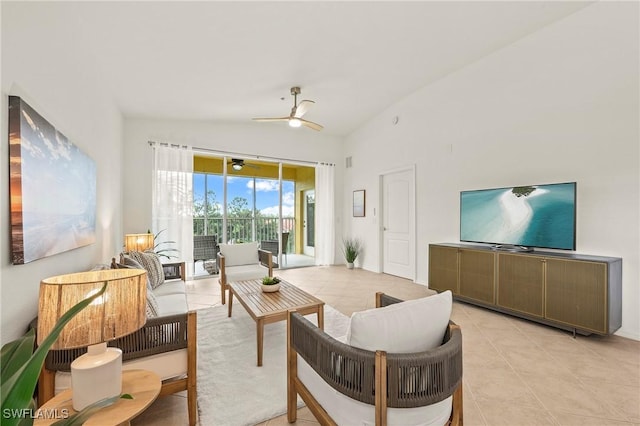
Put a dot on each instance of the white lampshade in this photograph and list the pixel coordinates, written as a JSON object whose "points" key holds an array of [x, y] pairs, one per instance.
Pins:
{"points": [[121, 310]]}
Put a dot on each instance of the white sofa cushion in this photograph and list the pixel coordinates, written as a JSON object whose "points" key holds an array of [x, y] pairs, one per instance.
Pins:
{"points": [[170, 287], [245, 272], [172, 304], [239, 254], [406, 327]]}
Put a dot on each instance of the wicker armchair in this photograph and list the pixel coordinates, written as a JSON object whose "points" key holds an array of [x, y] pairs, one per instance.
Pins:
{"points": [[410, 379]]}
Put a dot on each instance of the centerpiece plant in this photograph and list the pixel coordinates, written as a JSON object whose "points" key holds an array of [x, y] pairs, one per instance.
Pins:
{"points": [[270, 284], [270, 280]]}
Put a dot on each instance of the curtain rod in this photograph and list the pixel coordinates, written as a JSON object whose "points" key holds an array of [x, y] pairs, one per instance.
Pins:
{"points": [[239, 154]]}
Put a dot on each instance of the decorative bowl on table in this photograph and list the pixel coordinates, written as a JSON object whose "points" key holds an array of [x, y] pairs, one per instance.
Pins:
{"points": [[270, 284]]}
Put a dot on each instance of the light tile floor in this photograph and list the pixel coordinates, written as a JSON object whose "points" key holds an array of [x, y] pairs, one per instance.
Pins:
{"points": [[515, 372]]}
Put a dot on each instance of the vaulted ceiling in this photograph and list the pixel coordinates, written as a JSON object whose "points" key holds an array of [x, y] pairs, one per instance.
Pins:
{"points": [[231, 61]]}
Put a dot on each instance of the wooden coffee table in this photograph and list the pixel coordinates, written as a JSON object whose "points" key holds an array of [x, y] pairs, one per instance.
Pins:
{"points": [[266, 308]]}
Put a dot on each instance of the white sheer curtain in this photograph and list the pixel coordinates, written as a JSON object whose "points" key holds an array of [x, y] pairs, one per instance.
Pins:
{"points": [[325, 214], [172, 198]]}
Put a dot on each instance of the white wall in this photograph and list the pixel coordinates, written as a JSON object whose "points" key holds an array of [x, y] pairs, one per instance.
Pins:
{"points": [[256, 139], [559, 105], [42, 63]]}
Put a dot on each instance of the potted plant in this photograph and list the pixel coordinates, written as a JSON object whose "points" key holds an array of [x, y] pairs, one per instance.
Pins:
{"points": [[270, 284], [351, 249], [164, 251]]}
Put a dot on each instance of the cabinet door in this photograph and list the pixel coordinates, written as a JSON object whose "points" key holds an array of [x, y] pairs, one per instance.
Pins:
{"points": [[443, 268], [576, 294], [521, 283], [477, 275]]}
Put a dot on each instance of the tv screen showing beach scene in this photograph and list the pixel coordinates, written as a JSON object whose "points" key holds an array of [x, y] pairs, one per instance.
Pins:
{"points": [[541, 216]]}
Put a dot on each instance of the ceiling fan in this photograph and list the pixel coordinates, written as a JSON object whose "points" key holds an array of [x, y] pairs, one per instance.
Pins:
{"points": [[299, 109], [237, 164]]}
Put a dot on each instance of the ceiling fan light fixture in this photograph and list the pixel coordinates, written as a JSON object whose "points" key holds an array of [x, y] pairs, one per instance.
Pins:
{"points": [[237, 164], [294, 122], [297, 111]]}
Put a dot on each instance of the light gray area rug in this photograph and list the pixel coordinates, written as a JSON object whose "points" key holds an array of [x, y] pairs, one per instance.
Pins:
{"points": [[232, 390]]}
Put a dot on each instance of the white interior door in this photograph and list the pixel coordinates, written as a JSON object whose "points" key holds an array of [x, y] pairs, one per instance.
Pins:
{"points": [[309, 223], [398, 219]]}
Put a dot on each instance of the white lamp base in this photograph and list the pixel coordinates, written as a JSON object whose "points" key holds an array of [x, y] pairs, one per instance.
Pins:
{"points": [[96, 375]]}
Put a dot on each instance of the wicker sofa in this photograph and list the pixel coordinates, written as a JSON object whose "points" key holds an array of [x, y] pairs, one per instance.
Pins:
{"points": [[417, 365], [166, 345]]}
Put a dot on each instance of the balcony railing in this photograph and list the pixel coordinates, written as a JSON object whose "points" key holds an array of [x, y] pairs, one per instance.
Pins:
{"points": [[246, 229]]}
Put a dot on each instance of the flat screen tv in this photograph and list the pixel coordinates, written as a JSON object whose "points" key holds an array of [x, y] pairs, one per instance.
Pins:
{"points": [[521, 217]]}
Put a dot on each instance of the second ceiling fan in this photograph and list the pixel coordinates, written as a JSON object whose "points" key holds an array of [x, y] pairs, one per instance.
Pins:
{"points": [[299, 109], [237, 164]]}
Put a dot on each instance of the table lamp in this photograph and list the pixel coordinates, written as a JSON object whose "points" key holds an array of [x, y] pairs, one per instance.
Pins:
{"points": [[138, 242], [121, 310]]}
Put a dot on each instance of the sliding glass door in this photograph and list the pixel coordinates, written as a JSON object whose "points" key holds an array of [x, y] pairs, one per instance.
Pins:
{"points": [[261, 201]]}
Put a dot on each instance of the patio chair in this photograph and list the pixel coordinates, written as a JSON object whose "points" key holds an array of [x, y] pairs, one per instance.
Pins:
{"points": [[272, 246], [205, 247]]}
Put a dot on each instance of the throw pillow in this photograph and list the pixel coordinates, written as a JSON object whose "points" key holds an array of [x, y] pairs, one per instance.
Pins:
{"points": [[239, 254], [100, 267], [151, 263], [130, 263], [152, 304], [406, 327]]}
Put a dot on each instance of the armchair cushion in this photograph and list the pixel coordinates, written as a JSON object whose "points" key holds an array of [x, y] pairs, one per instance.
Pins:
{"points": [[347, 411], [240, 254], [407, 327], [245, 272]]}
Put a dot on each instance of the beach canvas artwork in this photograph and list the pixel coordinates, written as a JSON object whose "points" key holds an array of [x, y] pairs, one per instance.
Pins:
{"points": [[533, 216], [52, 188]]}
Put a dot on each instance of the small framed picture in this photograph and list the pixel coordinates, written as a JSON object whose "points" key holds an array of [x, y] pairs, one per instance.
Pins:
{"points": [[358, 203]]}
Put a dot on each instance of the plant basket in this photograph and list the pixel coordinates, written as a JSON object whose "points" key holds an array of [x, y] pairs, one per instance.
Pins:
{"points": [[270, 288]]}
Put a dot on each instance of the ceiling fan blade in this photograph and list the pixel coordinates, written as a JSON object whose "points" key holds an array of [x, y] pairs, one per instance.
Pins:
{"points": [[302, 108], [310, 124], [272, 119]]}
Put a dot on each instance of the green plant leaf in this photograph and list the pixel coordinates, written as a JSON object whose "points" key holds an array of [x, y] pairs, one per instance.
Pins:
{"points": [[17, 390], [15, 354], [82, 416]]}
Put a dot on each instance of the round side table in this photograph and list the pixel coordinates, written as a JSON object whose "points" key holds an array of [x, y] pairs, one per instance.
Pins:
{"points": [[144, 386]]}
